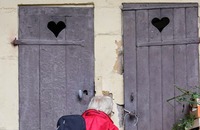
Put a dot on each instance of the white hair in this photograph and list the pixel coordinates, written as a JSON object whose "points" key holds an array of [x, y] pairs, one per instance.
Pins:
{"points": [[101, 103]]}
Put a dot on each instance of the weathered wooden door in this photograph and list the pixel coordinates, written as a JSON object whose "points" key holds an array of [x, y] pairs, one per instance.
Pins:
{"points": [[56, 63], [160, 50]]}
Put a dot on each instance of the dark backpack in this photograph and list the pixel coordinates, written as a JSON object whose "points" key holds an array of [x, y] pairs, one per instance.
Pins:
{"points": [[71, 122]]}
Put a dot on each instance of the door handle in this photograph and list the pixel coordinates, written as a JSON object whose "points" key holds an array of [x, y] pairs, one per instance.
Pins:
{"points": [[81, 92], [131, 115]]}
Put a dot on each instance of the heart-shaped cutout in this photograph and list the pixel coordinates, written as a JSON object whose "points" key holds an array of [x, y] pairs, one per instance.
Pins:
{"points": [[160, 24], [56, 28]]}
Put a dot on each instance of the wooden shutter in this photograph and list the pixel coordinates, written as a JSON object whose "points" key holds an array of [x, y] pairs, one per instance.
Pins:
{"points": [[54, 67], [155, 60]]}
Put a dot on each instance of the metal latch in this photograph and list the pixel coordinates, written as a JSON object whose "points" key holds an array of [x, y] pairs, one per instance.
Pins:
{"points": [[131, 115]]}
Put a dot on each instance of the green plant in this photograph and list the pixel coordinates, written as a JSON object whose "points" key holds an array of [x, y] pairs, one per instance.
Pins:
{"points": [[186, 97], [185, 123]]}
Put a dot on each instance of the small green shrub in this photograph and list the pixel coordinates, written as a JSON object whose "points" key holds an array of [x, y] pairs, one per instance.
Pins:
{"points": [[186, 97], [185, 123]]}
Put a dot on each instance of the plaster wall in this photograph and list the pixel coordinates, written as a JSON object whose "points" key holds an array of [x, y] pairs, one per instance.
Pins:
{"points": [[108, 47]]}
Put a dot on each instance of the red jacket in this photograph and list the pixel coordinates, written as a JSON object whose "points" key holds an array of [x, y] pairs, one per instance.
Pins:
{"points": [[98, 120]]}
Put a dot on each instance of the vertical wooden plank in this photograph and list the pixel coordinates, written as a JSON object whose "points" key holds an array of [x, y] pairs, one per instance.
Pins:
{"points": [[87, 75], [168, 71], [167, 33], [142, 25], [192, 65], [192, 49], [168, 86], [129, 40], [143, 88], [52, 85], [29, 106], [28, 27], [191, 22], [154, 33], [87, 56], [180, 75], [155, 88], [75, 80], [179, 23], [78, 23], [88, 25], [80, 60], [180, 57]]}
